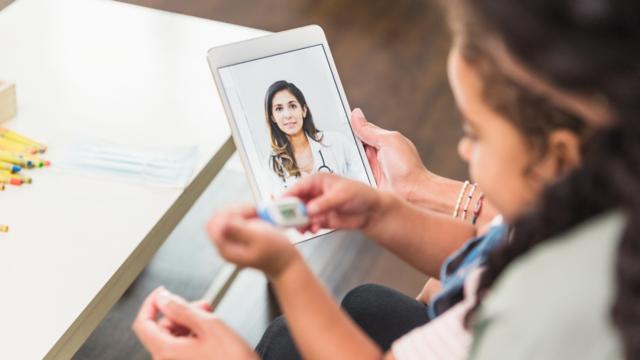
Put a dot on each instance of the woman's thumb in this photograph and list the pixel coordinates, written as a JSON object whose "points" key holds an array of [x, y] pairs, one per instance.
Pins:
{"points": [[179, 311], [366, 131]]}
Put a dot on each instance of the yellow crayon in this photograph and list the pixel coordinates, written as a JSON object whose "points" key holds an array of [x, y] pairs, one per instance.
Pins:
{"points": [[9, 166], [37, 162], [12, 135], [24, 179], [4, 228], [16, 147], [9, 179], [15, 159]]}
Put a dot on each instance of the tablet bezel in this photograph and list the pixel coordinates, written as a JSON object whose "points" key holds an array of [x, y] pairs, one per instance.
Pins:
{"points": [[266, 46]]}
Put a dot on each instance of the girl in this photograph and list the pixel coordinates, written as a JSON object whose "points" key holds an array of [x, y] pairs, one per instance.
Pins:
{"points": [[577, 272]]}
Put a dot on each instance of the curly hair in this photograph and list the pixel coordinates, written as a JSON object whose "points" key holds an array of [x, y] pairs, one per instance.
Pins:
{"points": [[591, 48]]}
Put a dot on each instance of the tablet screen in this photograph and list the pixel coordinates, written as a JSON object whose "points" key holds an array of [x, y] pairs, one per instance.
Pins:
{"points": [[291, 120]]}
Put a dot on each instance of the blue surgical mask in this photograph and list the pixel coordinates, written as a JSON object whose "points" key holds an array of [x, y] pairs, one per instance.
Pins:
{"points": [[165, 167]]}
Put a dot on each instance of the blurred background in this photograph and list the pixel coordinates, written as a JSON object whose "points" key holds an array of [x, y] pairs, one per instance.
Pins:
{"points": [[390, 55]]}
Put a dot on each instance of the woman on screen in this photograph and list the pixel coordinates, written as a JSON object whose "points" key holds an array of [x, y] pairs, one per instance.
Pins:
{"points": [[298, 148]]}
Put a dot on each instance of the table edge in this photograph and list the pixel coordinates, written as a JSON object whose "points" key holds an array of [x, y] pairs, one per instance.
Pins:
{"points": [[94, 313]]}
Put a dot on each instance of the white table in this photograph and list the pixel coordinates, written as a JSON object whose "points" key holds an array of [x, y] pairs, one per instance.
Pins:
{"points": [[88, 69]]}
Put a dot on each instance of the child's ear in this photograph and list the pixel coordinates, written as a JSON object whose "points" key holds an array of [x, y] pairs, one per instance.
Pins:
{"points": [[564, 149]]}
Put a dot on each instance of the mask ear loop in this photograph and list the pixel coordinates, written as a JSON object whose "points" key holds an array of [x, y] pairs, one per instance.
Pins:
{"points": [[143, 170], [164, 164]]}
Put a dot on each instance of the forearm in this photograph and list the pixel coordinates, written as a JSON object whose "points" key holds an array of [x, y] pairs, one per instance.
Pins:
{"points": [[422, 238], [440, 194], [319, 328]]}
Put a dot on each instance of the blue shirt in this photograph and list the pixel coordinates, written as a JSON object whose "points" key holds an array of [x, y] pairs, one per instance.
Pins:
{"points": [[457, 266]]}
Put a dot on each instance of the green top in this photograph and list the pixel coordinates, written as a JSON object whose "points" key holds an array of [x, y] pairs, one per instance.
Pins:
{"points": [[555, 302]]}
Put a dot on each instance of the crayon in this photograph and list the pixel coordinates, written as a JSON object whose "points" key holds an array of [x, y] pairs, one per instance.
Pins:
{"points": [[15, 159], [37, 162], [12, 146], [10, 180], [14, 136], [9, 166], [7, 174]]}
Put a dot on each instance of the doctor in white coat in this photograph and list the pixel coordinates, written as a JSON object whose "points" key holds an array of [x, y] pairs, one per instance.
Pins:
{"points": [[298, 148]]}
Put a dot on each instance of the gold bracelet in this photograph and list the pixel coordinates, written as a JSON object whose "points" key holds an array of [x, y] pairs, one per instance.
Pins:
{"points": [[460, 195], [468, 201]]}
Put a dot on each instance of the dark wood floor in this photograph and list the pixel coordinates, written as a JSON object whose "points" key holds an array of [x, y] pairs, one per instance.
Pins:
{"points": [[391, 58]]}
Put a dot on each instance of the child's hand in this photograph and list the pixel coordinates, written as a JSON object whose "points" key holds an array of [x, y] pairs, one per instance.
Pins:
{"points": [[430, 289], [337, 203], [188, 331], [247, 241]]}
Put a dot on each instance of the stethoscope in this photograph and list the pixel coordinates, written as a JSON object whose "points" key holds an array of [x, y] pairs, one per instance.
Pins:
{"points": [[321, 168]]}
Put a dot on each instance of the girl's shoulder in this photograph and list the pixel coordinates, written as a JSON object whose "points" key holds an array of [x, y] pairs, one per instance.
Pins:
{"points": [[592, 242], [561, 263], [548, 290]]}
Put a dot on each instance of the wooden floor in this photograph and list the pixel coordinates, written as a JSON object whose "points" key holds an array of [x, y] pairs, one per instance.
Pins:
{"points": [[391, 58]]}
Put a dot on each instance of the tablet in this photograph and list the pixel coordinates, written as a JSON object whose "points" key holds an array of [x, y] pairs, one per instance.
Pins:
{"points": [[288, 112]]}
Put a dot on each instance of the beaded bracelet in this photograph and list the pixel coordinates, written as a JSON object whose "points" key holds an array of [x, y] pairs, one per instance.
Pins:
{"points": [[459, 201], [468, 201], [477, 209]]}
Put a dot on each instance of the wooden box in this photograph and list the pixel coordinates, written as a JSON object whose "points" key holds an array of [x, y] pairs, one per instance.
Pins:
{"points": [[5, 3], [8, 104]]}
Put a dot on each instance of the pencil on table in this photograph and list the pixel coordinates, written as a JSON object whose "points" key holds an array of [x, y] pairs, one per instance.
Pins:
{"points": [[12, 146], [9, 166], [5, 179], [9, 175], [14, 136], [16, 159]]}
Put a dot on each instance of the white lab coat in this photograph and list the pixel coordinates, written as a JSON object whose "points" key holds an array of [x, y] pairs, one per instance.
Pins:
{"points": [[335, 152]]}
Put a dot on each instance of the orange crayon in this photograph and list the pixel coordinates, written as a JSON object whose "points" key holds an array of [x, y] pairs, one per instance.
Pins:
{"points": [[12, 180]]}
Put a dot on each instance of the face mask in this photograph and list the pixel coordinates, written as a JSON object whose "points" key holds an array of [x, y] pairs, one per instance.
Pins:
{"points": [[165, 167]]}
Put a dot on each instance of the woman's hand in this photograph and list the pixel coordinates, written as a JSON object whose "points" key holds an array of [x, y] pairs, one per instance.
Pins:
{"points": [[187, 331], [394, 159], [338, 203], [244, 239]]}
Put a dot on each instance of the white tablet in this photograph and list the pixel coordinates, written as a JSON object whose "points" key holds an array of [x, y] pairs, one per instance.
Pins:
{"points": [[288, 112]]}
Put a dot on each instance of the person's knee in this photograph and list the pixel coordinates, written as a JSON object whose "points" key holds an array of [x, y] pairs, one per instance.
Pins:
{"points": [[278, 327], [365, 300], [275, 334], [276, 342]]}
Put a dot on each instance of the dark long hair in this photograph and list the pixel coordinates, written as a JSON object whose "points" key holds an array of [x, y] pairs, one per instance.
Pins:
{"points": [[591, 48], [283, 161]]}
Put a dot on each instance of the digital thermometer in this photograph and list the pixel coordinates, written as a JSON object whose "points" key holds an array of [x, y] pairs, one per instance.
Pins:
{"points": [[285, 212]]}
